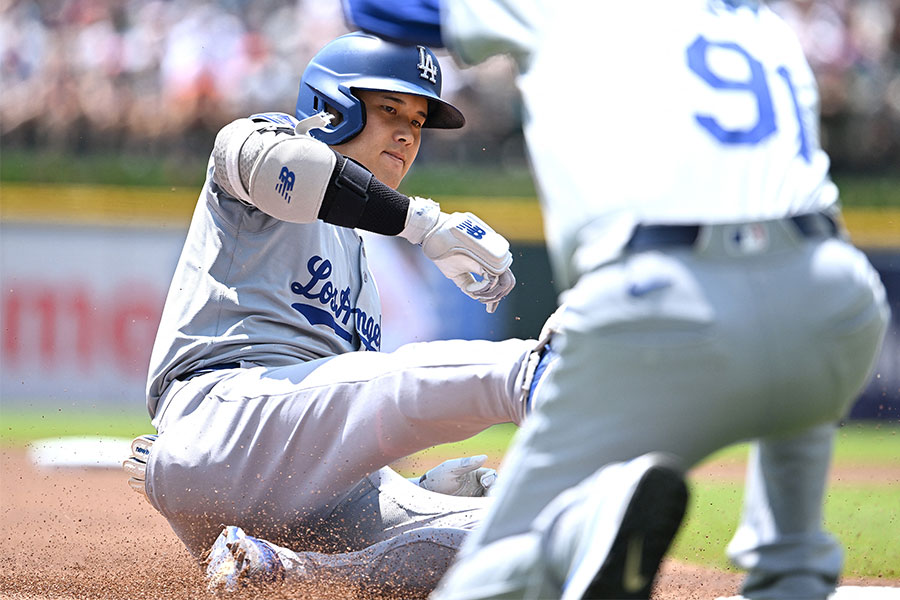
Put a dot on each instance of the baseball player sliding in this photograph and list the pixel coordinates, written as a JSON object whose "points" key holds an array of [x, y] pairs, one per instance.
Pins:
{"points": [[276, 413], [710, 293]]}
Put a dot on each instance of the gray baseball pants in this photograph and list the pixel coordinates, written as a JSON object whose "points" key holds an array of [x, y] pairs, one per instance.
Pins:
{"points": [[686, 351], [296, 455]]}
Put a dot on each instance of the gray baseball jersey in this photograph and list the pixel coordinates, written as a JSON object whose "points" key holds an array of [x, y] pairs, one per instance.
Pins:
{"points": [[277, 413], [272, 293]]}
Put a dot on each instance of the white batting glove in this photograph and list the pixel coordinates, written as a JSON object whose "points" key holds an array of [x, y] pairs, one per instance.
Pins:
{"points": [[459, 477], [465, 248], [135, 466], [472, 255]]}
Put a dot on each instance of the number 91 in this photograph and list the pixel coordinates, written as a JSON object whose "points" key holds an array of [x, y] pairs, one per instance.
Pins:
{"points": [[756, 84]]}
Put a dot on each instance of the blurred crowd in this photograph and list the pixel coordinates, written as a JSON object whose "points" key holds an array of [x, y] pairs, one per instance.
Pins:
{"points": [[161, 76], [853, 47]]}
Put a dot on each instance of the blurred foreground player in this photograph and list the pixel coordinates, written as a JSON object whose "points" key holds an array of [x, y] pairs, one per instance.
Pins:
{"points": [[710, 293]]}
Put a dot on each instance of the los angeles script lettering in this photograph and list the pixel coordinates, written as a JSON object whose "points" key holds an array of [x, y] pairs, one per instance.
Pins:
{"points": [[338, 301]]}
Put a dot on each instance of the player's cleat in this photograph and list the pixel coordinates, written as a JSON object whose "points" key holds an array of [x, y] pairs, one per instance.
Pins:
{"points": [[237, 560], [626, 565]]}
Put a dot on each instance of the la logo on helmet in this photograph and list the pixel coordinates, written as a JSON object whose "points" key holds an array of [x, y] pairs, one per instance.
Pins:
{"points": [[427, 69]]}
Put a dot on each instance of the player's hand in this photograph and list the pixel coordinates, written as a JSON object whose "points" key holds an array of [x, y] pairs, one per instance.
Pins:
{"points": [[135, 466], [472, 255], [460, 477]]}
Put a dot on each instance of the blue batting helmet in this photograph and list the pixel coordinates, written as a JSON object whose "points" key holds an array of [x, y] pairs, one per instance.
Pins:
{"points": [[362, 61]]}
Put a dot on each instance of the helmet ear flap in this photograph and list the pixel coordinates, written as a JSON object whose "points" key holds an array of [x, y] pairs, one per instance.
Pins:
{"points": [[349, 112], [362, 110]]}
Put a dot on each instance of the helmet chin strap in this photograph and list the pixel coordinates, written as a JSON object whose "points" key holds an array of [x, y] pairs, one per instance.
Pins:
{"points": [[318, 121]]}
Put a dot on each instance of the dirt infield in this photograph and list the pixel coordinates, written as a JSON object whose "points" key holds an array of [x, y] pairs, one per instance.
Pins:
{"points": [[83, 534]]}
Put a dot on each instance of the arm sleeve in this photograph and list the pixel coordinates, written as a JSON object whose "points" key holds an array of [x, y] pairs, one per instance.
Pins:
{"points": [[355, 198]]}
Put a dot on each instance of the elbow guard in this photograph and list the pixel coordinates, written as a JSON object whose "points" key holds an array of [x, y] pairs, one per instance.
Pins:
{"points": [[282, 174], [290, 177], [232, 162]]}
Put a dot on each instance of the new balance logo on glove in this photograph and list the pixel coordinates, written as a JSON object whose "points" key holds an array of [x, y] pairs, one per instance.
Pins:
{"points": [[472, 229]]}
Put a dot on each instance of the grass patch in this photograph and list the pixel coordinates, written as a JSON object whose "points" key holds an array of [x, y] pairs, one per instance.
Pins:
{"points": [[869, 443], [493, 441], [469, 180], [863, 442], [159, 168], [869, 190], [865, 518], [20, 426], [712, 516], [103, 168]]}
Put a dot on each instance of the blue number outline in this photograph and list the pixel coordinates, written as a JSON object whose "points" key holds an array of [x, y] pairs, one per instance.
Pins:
{"points": [[757, 84], [804, 139]]}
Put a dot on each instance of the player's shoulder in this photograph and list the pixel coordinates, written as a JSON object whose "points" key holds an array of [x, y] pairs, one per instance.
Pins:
{"points": [[276, 118]]}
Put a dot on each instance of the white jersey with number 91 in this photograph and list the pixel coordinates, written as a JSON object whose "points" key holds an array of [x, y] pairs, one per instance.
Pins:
{"points": [[625, 148]]}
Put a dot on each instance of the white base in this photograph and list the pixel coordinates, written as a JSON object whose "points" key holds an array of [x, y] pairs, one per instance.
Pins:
{"points": [[866, 593], [92, 452], [851, 592]]}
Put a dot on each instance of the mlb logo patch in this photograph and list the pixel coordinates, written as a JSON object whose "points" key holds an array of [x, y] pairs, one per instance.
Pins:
{"points": [[751, 238]]}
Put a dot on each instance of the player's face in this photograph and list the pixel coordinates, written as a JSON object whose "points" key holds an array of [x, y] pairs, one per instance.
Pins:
{"points": [[389, 142]]}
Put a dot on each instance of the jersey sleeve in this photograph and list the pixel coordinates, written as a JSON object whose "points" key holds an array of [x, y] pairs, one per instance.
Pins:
{"points": [[475, 30]]}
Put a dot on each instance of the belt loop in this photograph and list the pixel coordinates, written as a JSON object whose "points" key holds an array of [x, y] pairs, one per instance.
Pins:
{"points": [[704, 240], [818, 224]]}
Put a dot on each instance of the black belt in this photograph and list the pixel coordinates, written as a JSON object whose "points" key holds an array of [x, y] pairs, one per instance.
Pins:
{"points": [[210, 369], [645, 237]]}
